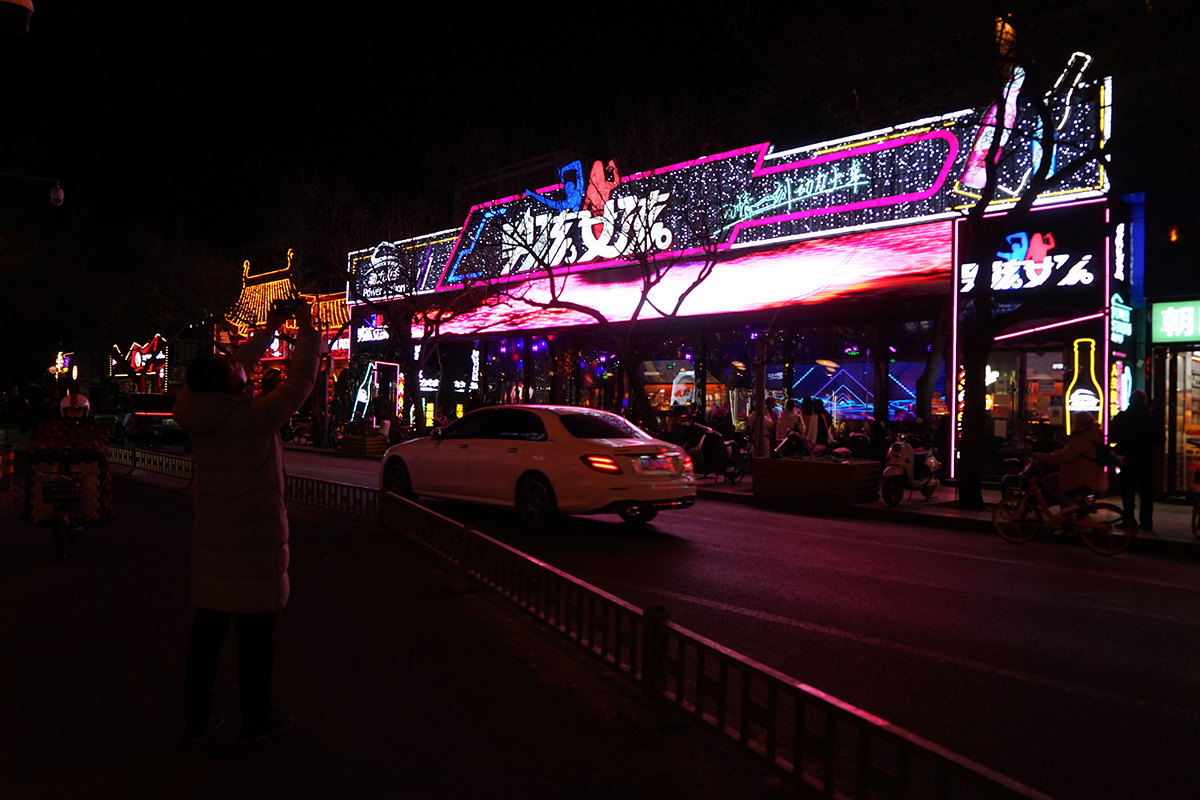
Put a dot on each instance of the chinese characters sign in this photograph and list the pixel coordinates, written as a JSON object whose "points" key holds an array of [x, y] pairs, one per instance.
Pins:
{"points": [[919, 172], [1175, 322]]}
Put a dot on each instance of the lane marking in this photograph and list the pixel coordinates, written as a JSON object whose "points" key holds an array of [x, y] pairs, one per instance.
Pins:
{"points": [[945, 658]]}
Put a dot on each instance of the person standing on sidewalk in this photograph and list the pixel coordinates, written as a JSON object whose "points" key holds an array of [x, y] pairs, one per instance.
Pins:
{"points": [[1136, 434], [240, 525]]}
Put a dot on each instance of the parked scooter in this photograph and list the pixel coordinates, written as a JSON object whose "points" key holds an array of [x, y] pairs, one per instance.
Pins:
{"points": [[907, 467]]}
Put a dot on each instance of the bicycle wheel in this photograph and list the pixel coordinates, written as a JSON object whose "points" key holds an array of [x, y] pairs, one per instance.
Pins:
{"points": [[1016, 518], [1196, 519], [1099, 532]]}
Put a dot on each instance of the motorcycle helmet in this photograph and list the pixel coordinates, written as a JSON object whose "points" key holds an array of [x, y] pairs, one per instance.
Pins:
{"points": [[74, 406]]}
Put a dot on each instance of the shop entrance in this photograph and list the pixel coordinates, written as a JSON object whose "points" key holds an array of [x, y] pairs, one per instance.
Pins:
{"points": [[387, 391], [1177, 381]]}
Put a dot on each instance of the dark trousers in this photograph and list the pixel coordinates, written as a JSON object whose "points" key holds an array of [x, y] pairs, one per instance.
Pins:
{"points": [[256, 656], [1137, 477]]}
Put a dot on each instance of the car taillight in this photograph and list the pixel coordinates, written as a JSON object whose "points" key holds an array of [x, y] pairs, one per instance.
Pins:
{"points": [[602, 464], [687, 465]]}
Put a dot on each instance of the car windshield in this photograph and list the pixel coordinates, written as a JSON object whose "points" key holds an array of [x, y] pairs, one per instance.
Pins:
{"points": [[594, 426]]}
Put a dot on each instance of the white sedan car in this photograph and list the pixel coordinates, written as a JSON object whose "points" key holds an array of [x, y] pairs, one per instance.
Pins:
{"points": [[544, 461]]}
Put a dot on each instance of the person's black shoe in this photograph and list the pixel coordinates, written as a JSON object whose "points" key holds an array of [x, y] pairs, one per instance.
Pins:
{"points": [[1147, 527], [198, 731], [276, 722]]}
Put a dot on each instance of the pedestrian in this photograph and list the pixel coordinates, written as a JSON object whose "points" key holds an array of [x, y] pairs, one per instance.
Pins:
{"points": [[1136, 434], [823, 423], [766, 434], [240, 526], [788, 421]]}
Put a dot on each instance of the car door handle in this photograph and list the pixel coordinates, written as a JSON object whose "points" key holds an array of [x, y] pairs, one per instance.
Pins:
{"points": [[463, 446], [513, 450]]}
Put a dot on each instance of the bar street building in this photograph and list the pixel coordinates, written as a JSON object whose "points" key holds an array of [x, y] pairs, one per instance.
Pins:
{"points": [[839, 271]]}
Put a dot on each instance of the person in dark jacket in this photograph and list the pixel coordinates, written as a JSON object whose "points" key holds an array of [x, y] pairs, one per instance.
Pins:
{"points": [[1136, 434]]}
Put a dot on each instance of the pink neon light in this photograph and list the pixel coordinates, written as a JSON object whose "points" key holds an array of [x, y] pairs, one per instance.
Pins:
{"points": [[896, 260], [757, 172], [1048, 327], [858, 151], [953, 353], [1104, 403]]}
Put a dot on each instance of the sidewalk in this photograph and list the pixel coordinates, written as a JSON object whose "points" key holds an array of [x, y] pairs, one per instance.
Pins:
{"points": [[1172, 533], [401, 688]]}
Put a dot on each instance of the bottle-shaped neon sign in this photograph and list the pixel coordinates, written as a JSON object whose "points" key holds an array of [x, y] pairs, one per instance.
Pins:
{"points": [[1084, 392]]}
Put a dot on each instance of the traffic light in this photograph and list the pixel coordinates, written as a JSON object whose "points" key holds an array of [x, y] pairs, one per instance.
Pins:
{"points": [[14, 16]]}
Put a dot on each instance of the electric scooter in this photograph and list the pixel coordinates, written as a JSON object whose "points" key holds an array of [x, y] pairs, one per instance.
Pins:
{"points": [[907, 468]]}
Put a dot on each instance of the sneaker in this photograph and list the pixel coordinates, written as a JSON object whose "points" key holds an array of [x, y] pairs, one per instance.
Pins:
{"points": [[276, 722], [197, 732]]}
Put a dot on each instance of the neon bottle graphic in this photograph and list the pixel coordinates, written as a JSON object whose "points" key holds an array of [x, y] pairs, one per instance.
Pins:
{"points": [[1084, 392], [975, 174]]}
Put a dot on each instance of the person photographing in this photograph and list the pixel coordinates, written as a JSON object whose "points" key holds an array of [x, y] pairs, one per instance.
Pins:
{"points": [[240, 524]]}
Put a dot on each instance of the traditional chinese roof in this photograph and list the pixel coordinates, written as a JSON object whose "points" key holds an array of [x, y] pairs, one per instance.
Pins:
{"points": [[260, 291]]}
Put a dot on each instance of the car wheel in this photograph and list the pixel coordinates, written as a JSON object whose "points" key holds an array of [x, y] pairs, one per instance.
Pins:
{"points": [[638, 516], [536, 505], [396, 479]]}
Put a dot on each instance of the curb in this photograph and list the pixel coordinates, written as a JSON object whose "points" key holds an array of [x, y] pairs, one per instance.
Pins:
{"points": [[1141, 543]]}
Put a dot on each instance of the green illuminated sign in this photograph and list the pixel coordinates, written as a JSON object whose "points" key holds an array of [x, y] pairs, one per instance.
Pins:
{"points": [[1175, 322]]}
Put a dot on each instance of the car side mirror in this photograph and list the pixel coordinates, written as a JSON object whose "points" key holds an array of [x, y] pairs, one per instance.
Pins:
{"points": [[436, 433]]}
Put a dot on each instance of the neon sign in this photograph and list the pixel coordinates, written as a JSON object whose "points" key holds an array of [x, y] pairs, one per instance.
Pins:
{"points": [[1121, 320], [1028, 265], [594, 218], [1175, 322], [1084, 393], [373, 329]]}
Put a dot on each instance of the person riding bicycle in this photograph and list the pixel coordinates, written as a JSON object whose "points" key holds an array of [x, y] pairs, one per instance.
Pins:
{"points": [[1078, 466]]}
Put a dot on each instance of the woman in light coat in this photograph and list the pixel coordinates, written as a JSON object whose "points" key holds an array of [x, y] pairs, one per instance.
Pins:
{"points": [[240, 527]]}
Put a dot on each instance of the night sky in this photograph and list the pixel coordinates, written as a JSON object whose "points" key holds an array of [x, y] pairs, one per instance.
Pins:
{"points": [[165, 111]]}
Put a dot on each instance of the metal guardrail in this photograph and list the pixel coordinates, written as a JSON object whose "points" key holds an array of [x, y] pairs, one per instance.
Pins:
{"points": [[152, 461], [828, 747], [345, 498]]}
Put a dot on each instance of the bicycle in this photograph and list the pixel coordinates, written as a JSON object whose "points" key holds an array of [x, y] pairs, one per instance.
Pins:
{"points": [[1023, 506]]}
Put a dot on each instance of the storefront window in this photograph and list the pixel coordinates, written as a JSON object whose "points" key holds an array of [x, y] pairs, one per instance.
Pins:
{"points": [[1186, 445], [540, 370], [598, 379]]}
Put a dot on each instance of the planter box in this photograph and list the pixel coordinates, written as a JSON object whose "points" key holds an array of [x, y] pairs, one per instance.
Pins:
{"points": [[363, 446], [816, 482]]}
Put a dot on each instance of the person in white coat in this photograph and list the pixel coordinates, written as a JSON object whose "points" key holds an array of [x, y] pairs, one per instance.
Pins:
{"points": [[240, 524]]}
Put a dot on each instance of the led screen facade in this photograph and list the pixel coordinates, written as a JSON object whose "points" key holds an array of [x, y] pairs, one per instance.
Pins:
{"points": [[748, 208]]}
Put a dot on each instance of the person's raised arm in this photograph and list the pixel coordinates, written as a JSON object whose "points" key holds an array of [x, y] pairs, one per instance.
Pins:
{"points": [[274, 408], [250, 353]]}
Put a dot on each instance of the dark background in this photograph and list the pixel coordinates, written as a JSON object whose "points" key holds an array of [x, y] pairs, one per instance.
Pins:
{"points": [[189, 137]]}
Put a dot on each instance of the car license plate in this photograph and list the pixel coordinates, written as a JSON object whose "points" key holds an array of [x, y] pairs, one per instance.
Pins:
{"points": [[654, 463]]}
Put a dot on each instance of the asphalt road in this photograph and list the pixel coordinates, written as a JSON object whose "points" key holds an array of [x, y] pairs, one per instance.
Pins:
{"points": [[1070, 672], [1073, 673]]}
